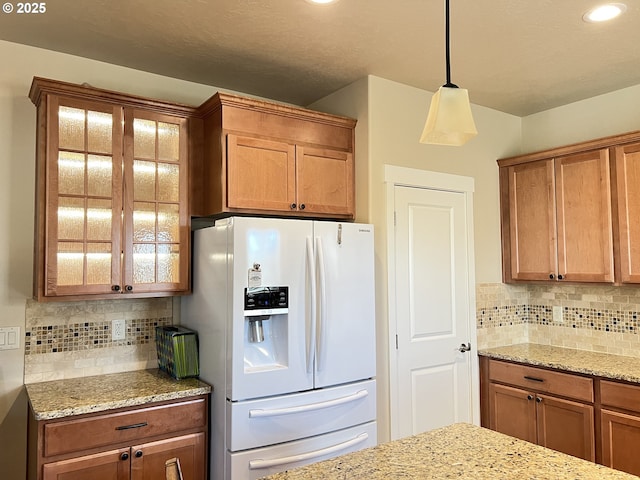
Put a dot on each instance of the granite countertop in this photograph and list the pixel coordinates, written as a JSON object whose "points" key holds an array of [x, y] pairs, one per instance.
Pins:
{"points": [[458, 451], [75, 396], [605, 365]]}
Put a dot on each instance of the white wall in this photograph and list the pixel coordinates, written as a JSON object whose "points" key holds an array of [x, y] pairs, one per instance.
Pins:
{"points": [[17, 182]]}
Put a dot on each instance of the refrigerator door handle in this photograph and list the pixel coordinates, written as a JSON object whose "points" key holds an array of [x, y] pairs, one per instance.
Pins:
{"points": [[322, 307], [258, 464], [311, 319], [273, 412]]}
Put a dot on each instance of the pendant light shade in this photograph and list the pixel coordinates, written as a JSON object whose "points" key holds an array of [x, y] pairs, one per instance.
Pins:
{"points": [[449, 121]]}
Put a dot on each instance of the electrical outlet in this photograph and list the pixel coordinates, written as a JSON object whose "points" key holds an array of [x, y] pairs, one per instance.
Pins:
{"points": [[557, 314], [118, 329]]}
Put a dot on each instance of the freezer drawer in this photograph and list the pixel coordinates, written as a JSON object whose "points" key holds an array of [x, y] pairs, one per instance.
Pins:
{"points": [[257, 463], [256, 423]]}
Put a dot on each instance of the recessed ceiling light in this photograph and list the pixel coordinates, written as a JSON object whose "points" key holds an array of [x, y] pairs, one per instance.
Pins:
{"points": [[603, 13], [321, 2]]}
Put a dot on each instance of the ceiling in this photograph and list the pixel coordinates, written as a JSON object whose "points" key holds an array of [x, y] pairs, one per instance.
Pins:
{"points": [[516, 56]]}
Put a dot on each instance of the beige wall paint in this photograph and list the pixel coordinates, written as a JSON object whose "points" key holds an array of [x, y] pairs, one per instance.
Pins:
{"points": [[609, 114]]}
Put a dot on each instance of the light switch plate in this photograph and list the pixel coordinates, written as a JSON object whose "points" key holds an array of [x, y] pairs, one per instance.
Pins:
{"points": [[9, 338]]}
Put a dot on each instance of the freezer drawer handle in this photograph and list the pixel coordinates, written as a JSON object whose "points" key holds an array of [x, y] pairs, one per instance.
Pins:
{"points": [[257, 413], [274, 462]]}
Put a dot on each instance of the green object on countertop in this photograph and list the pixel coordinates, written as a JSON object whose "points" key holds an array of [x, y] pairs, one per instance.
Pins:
{"points": [[177, 351]]}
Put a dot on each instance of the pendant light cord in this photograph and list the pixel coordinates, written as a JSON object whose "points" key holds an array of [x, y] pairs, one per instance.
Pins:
{"points": [[447, 46]]}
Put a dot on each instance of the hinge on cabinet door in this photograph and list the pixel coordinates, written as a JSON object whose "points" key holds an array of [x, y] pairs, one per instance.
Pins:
{"points": [[396, 341]]}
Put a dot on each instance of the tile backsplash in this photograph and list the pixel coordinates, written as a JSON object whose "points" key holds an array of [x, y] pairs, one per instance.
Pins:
{"points": [[596, 318], [74, 339]]}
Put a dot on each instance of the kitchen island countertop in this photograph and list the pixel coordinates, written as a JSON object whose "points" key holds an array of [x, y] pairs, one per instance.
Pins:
{"points": [[616, 367], [75, 396], [457, 451]]}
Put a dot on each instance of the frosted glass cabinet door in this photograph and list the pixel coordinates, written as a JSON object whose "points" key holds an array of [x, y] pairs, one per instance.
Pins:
{"points": [[83, 239], [155, 215], [111, 193]]}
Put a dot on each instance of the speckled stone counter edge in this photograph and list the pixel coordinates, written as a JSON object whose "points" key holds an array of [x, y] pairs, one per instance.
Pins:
{"points": [[598, 364], [76, 396], [457, 451]]}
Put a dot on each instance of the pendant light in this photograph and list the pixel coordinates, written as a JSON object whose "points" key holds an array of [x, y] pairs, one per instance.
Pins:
{"points": [[449, 121]]}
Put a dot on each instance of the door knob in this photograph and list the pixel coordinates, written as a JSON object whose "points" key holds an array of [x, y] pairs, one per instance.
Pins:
{"points": [[464, 348]]}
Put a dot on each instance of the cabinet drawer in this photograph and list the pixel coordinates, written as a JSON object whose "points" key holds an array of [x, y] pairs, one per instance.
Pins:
{"points": [[133, 425], [539, 380], [620, 395]]}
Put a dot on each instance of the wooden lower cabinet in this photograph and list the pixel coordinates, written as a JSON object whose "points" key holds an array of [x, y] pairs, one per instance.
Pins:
{"points": [[589, 417], [620, 425], [141, 462], [552, 422], [100, 466], [620, 440], [148, 460], [566, 426], [126, 444]]}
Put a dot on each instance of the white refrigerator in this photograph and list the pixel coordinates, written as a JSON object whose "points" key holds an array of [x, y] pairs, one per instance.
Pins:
{"points": [[285, 316]]}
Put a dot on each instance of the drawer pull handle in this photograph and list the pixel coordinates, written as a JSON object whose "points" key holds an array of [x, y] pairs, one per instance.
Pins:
{"points": [[309, 407], [129, 427], [533, 379]]}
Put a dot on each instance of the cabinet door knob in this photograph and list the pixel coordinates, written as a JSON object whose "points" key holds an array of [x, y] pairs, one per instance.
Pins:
{"points": [[529, 397], [293, 206], [551, 276], [115, 288], [538, 399], [560, 276], [138, 453], [128, 288], [124, 456], [302, 206]]}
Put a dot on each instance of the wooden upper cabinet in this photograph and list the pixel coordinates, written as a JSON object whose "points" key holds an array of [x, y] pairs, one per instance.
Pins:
{"points": [[583, 209], [81, 201], [260, 173], [627, 167], [112, 207], [325, 181], [556, 214], [531, 220], [271, 159]]}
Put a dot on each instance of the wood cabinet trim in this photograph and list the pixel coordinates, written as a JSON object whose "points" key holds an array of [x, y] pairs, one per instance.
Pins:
{"points": [[220, 100], [43, 86], [596, 144]]}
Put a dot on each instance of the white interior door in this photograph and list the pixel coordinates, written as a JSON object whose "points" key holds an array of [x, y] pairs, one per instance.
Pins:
{"points": [[432, 277]]}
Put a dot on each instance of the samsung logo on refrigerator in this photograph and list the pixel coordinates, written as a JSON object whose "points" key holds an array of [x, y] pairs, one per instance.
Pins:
{"points": [[364, 230]]}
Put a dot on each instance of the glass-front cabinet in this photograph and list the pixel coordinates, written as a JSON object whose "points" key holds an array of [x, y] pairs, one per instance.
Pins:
{"points": [[112, 207]]}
